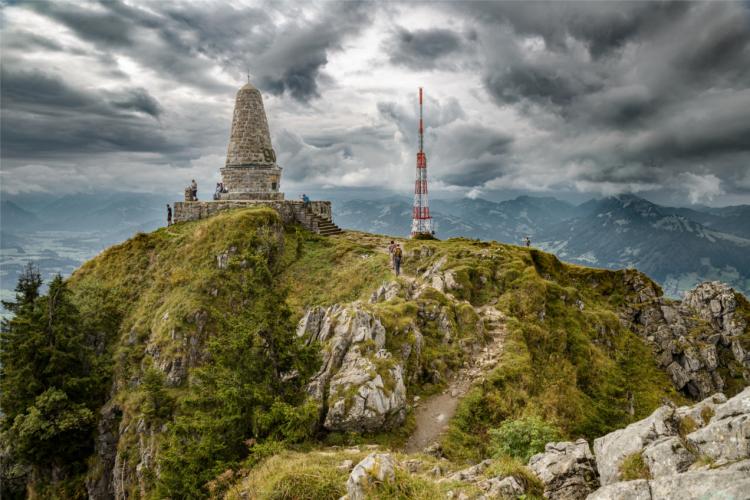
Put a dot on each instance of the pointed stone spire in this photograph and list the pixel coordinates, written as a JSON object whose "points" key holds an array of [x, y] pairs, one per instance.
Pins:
{"points": [[250, 140], [250, 172]]}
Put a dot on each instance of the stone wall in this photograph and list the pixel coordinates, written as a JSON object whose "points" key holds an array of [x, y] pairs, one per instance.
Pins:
{"points": [[195, 210]]}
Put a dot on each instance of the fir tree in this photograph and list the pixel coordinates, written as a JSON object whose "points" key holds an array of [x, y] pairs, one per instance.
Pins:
{"points": [[50, 380], [251, 391], [27, 288]]}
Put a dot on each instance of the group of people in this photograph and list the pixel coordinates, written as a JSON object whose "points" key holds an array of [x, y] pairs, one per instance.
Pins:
{"points": [[219, 189], [394, 249]]}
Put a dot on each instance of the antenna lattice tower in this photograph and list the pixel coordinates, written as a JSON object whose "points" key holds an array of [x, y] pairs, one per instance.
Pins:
{"points": [[421, 221]]}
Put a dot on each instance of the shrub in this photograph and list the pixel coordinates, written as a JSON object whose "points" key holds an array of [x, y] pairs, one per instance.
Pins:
{"points": [[522, 438], [686, 426], [706, 414], [633, 467]]}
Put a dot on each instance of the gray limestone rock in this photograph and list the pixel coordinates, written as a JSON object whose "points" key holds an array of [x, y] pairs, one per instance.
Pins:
{"points": [[667, 456], [692, 339], [611, 449], [359, 381], [373, 469], [385, 292], [701, 485], [701, 413], [715, 302], [373, 405], [625, 490], [470, 474], [501, 487], [727, 436], [567, 470]]}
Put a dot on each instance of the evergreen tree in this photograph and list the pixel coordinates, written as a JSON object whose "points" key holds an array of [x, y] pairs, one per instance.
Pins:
{"points": [[50, 380], [27, 288], [251, 390]]}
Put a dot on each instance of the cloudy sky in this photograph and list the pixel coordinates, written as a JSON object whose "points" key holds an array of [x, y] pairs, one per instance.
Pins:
{"points": [[566, 99]]}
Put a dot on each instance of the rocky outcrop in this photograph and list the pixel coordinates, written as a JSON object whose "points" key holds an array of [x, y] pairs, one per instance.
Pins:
{"points": [[612, 449], [501, 487], [360, 383], [700, 341], [697, 485], [567, 470], [726, 436], [688, 453], [99, 483], [375, 468], [385, 292]]}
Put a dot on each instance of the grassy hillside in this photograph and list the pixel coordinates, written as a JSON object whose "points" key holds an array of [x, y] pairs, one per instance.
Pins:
{"points": [[181, 299]]}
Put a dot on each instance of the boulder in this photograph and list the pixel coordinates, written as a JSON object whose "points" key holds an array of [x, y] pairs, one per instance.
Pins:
{"points": [[501, 487], [625, 490], [362, 399], [373, 469], [667, 456], [470, 474], [359, 382], [385, 292], [726, 437], [611, 449], [700, 485], [722, 436], [700, 413], [567, 470]]}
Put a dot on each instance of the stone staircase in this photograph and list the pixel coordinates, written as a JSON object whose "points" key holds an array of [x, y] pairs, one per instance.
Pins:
{"points": [[315, 222]]}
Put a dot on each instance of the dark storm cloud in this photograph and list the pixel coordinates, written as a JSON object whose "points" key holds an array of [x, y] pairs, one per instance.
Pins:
{"points": [[281, 59], [328, 155], [475, 172], [469, 155], [424, 49], [602, 27], [293, 64], [42, 116], [649, 88], [436, 113], [138, 100]]}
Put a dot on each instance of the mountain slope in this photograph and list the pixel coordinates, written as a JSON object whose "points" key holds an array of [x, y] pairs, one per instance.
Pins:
{"points": [[676, 246], [190, 304], [627, 231]]}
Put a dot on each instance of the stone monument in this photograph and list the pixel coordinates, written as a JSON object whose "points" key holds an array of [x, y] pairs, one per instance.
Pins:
{"points": [[250, 175], [250, 172]]}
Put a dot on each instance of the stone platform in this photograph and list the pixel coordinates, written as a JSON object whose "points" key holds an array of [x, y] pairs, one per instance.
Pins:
{"points": [[316, 217]]}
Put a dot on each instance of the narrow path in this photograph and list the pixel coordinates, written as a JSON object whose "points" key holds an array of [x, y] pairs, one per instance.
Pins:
{"points": [[434, 414]]}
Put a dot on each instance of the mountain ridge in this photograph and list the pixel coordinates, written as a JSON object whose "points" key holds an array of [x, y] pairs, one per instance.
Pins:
{"points": [[187, 307]]}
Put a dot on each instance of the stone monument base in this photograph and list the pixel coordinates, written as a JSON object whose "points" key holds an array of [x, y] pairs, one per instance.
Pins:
{"points": [[316, 216], [260, 196]]}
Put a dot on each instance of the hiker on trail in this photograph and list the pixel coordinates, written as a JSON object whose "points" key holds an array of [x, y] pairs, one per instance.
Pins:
{"points": [[169, 215], [391, 249], [194, 190], [528, 242], [305, 200], [397, 254]]}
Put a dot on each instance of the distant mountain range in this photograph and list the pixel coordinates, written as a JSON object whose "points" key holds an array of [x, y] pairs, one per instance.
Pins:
{"points": [[678, 247]]}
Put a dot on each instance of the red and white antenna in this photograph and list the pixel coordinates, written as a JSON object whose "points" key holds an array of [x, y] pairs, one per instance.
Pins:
{"points": [[421, 224]]}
